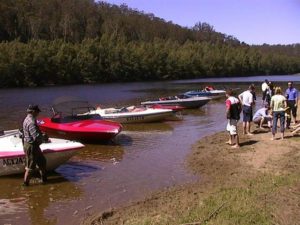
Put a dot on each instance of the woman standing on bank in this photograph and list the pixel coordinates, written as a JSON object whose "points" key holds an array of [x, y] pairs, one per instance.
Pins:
{"points": [[278, 107]]}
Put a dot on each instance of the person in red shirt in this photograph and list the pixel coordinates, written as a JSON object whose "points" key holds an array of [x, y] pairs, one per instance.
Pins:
{"points": [[233, 110]]}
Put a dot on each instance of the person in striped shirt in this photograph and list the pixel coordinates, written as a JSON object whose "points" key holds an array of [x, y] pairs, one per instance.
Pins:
{"points": [[33, 137]]}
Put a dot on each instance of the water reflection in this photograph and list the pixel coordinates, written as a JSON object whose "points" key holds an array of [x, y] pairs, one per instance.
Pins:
{"points": [[19, 205], [76, 170], [250, 79], [104, 153], [146, 127]]}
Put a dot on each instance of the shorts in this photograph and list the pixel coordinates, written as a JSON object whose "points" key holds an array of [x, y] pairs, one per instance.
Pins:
{"points": [[247, 113], [232, 126], [257, 120], [34, 157]]}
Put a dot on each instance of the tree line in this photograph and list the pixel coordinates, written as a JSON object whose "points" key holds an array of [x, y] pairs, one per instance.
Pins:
{"points": [[49, 42]]}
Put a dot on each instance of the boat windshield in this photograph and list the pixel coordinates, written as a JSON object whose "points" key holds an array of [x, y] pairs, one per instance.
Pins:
{"points": [[70, 106]]}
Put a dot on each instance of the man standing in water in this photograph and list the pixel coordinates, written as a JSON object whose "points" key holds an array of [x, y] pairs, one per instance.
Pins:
{"points": [[247, 100], [233, 110], [33, 137], [291, 95]]}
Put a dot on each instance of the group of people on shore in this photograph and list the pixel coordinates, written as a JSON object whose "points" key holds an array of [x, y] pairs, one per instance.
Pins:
{"points": [[275, 105]]}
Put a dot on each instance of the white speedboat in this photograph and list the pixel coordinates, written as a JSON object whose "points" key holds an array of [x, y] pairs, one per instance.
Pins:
{"points": [[134, 115], [12, 156], [183, 101]]}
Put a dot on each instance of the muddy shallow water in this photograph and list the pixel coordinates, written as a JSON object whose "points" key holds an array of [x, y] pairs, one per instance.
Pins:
{"points": [[141, 159]]}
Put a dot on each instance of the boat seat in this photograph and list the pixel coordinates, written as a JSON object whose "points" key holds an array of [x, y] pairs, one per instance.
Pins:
{"points": [[111, 110], [73, 118]]}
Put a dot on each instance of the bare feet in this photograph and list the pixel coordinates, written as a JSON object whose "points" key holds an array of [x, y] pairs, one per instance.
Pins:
{"points": [[228, 142], [250, 134], [235, 146]]}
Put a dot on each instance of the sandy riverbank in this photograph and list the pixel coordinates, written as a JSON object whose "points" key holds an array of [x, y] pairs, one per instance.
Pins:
{"points": [[256, 184]]}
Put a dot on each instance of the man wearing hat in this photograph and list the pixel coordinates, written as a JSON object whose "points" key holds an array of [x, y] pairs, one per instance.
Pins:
{"points": [[33, 137]]}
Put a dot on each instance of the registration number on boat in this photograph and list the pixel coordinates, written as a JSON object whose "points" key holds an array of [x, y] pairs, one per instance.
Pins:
{"points": [[135, 118], [13, 161]]}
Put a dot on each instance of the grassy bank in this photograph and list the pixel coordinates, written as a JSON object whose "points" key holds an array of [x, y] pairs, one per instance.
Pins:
{"points": [[256, 184]]}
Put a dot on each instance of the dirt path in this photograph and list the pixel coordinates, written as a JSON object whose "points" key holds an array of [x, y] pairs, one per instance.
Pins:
{"points": [[258, 183]]}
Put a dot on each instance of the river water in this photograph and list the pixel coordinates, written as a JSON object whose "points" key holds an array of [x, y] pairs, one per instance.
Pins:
{"points": [[142, 159]]}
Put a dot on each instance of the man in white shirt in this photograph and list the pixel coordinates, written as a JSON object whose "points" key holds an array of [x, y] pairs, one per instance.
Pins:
{"points": [[265, 85], [247, 100], [264, 89]]}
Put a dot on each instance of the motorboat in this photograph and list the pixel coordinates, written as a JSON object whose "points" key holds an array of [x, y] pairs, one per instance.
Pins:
{"points": [[84, 128], [175, 108], [69, 122], [133, 114], [12, 156], [181, 100], [208, 91], [177, 111], [212, 94]]}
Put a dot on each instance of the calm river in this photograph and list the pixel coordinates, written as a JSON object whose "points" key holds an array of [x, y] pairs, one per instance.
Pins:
{"points": [[142, 159]]}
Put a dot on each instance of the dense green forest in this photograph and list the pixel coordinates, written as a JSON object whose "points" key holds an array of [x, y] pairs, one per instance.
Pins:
{"points": [[48, 42]]}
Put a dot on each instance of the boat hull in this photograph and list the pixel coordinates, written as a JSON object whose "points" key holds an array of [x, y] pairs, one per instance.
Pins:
{"points": [[175, 108], [211, 94], [143, 116], [189, 103], [56, 152], [81, 130]]}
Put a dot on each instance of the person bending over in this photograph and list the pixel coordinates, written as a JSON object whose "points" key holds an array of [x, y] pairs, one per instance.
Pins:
{"points": [[262, 117]]}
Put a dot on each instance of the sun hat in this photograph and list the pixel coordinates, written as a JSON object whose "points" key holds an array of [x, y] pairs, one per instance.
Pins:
{"points": [[33, 108]]}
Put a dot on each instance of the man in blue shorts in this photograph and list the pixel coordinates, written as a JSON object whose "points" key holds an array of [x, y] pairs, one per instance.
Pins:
{"points": [[247, 100]]}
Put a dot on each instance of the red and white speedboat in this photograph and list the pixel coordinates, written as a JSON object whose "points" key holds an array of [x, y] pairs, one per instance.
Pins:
{"points": [[175, 108], [181, 100], [12, 157], [134, 114], [85, 128], [68, 122]]}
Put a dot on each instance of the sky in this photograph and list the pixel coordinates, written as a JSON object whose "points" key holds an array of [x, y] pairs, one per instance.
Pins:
{"points": [[250, 21]]}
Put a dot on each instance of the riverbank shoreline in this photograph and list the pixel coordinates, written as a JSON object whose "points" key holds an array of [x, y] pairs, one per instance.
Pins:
{"points": [[255, 184]]}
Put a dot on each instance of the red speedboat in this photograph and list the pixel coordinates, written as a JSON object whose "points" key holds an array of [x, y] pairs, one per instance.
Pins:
{"points": [[173, 107], [80, 129], [180, 100], [76, 126]]}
